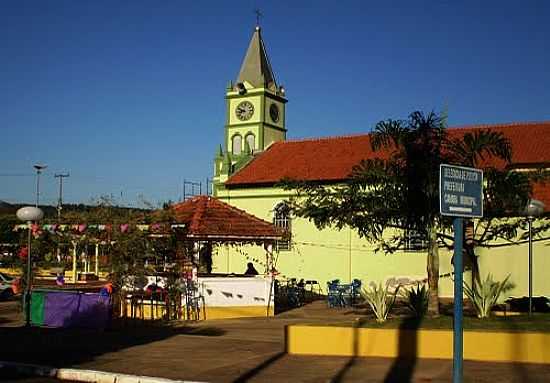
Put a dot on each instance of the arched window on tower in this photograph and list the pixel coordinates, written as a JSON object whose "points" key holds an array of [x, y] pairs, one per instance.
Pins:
{"points": [[282, 218], [237, 144], [251, 141]]}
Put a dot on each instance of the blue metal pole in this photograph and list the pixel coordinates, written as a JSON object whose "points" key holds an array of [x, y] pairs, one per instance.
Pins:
{"points": [[457, 326], [27, 297], [530, 275]]}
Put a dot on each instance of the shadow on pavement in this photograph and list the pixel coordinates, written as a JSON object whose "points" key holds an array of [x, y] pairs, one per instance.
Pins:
{"points": [[266, 363], [9, 374], [402, 368], [59, 347], [256, 370], [340, 375]]}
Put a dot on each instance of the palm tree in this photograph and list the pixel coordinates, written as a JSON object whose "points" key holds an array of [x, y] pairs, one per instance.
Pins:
{"points": [[420, 144]]}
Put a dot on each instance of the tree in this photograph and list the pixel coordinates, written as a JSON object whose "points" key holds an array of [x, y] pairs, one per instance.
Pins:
{"points": [[398, 191]]}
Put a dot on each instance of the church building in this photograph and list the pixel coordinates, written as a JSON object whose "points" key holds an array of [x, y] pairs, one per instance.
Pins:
{"points": [[256, 155]]}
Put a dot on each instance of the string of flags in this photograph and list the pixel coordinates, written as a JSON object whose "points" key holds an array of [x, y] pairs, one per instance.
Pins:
{"points": [[83, 228]]}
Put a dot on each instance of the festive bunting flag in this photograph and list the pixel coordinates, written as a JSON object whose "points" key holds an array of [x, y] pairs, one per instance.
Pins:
{"points": [[82, 228]]}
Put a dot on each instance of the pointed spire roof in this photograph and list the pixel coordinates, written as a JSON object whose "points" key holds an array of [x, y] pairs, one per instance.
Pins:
{"points": [[256, 68]]}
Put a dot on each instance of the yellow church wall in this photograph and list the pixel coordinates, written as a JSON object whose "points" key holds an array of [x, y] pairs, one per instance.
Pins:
{"points": [[272, 135], [243, 132], [280, 122], [513, 260], [328, 254]]}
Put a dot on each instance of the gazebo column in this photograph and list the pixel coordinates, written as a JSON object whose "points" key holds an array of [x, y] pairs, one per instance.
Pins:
{"points": [[85, 253], [74, 261], [97, 259], [268, 257], [196, 258], [270, 274]]}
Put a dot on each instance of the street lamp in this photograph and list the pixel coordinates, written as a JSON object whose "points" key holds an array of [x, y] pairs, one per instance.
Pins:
{"points": [[39, 169], [29, 214], [534, 209]]}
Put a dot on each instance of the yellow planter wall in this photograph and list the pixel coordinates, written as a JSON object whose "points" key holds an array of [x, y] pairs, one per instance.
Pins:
{"points": [[438, 344]]}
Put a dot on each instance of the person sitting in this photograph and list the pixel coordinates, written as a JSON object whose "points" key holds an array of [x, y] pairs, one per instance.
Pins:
{"points": [[250, 269], [60, 280]]}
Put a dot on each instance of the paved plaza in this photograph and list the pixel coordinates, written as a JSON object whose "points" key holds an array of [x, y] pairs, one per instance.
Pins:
{"points": [[239, 350]]}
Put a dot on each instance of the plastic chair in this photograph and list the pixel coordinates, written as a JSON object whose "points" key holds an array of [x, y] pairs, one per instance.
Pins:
{"points": [[333, 293], [314, 288], [355, 290], [295, 293]]}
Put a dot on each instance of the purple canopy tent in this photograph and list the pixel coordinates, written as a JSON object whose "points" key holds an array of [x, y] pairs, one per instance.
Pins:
{"points": [[53, 308]]}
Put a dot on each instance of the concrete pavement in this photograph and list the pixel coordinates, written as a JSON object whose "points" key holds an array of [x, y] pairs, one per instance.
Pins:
{"points": [[239, 350]]}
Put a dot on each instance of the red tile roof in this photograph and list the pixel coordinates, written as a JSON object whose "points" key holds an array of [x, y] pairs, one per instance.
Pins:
{"points": [[209, 218], [530, 141], [319, 159], [331, 159]]}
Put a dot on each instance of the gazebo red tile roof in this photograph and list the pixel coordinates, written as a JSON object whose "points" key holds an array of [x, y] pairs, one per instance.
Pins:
{"points": [[211, 219], [331, 159]]}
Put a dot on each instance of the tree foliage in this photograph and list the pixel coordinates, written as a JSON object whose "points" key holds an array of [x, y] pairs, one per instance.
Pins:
{"points": [[399, 188]]}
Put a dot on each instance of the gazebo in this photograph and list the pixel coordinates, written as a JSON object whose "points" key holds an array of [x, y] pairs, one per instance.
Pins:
{"points": [[207, 219], [204, 222]]}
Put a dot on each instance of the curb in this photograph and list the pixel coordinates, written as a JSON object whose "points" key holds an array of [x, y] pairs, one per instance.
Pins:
{"points": [[88, 376]]}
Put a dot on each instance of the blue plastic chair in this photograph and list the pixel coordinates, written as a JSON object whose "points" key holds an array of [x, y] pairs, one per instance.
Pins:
{"points": [[333, 293], [355, 290]]}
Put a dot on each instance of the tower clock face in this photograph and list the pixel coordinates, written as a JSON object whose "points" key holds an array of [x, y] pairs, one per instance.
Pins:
{"points": [[274, 112], [244, 110]]}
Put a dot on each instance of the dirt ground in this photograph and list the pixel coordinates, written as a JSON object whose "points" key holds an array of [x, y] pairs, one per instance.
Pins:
{"points": [[239, 350]]}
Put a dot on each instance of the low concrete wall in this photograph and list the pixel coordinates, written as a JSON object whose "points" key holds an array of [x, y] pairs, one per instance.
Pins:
{"points": [[237, 297], [438, 344], [221, 298]]}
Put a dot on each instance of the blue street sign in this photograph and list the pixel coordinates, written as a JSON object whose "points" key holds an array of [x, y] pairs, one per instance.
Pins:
{"points": [[460, 191], [460, 195]]}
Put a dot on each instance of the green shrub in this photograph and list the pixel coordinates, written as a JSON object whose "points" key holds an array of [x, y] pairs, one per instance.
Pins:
{"points": [[485, 294], [380, 300], [416, 299]]}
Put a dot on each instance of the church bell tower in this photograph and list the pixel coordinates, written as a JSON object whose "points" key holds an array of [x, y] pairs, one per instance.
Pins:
{"points": [[255, 113]]}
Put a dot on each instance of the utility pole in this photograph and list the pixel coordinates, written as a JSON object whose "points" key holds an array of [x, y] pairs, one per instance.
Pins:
{"points": [[60, 200], [39, 168]]}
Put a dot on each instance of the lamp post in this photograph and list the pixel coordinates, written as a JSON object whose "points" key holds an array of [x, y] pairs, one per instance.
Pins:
{"points": [[534, 209], [29, 214], [39, 169]]}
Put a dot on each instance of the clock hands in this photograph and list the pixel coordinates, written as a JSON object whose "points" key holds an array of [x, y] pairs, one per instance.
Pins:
{"points": [[244, 110]]}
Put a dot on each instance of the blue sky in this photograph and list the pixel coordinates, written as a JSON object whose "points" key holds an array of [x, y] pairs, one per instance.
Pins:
{"points": [[128, 96]]}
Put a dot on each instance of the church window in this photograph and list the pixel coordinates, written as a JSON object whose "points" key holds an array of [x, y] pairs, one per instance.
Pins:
{"points": [[282, 219], [237, 144], [251, 141], [415, 240]]}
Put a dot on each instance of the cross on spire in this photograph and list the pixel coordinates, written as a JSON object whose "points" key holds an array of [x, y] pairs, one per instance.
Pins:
{"points": [[258, 15]]}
